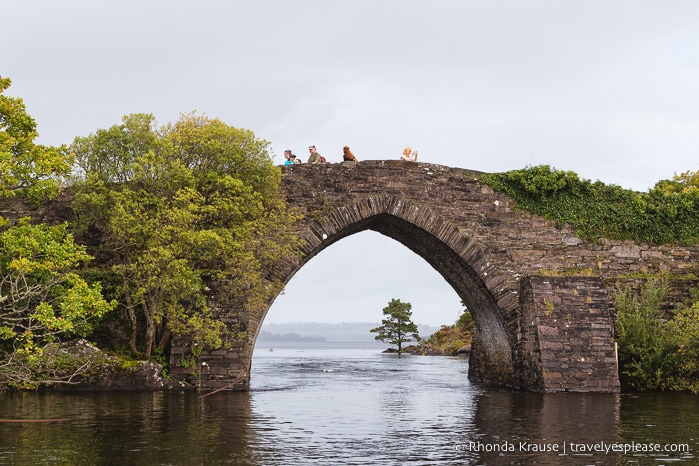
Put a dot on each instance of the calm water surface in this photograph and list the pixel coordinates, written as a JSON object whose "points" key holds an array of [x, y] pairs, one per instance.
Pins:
{"points": [[341, 405]]}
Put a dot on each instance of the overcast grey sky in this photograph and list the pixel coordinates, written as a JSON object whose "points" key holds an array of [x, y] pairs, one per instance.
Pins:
{"points": [[605, 88]]}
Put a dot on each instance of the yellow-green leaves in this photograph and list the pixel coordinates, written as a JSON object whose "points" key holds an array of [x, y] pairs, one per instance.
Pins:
{"points": [[26, 168], [196, 198], [41, 297]]}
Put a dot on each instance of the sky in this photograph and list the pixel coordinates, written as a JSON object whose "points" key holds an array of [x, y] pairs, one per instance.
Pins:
{"points": [[604, 88]]}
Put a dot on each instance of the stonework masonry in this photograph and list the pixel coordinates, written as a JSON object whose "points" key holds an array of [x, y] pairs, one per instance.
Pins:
{"points": [[541, 297], [567, 335]]}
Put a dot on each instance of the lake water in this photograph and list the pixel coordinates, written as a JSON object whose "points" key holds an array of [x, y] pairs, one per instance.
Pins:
{"points": [[334, 404]]}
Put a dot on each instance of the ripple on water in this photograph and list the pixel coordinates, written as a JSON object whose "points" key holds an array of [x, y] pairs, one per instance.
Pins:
{"points": [[343, 407]]}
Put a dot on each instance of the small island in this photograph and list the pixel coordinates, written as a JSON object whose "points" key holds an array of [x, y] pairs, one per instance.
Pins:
{"points": [[450, 340], [397, 328]]}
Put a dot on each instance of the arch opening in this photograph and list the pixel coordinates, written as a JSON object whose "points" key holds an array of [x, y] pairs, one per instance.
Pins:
{"points": [[353, 280], [493, 348]]}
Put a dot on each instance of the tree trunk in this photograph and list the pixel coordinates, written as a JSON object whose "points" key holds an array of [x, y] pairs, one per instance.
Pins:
{"points": [[164, 339], [149, 311], [134, 330], [132, 319]]}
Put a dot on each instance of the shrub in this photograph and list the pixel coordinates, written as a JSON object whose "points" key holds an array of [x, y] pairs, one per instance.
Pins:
{"points": [[655, 353], [639, 329], [667, 214]]}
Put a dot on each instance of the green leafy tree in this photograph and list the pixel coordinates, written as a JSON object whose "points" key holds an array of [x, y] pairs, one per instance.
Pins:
{"points": [[397, 327], [178, 208], [42, 298], [686, 182], [682, 333], [26, 168]]}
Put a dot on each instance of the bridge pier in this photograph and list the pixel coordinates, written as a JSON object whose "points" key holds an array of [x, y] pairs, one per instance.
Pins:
{"points": [[567, 336]]}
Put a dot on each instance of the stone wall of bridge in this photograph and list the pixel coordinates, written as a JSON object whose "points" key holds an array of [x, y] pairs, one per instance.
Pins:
{"points": [[517, 240], [487, 250]]}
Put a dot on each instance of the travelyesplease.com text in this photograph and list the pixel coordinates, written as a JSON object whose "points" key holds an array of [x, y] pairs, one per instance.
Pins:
{"points": [[572, 447]]}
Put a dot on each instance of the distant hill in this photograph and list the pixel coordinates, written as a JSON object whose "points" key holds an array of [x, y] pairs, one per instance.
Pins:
{"points": [[269, 336], [318, 331]]}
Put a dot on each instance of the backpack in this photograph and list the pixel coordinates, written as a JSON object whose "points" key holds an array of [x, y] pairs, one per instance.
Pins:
{"points": [[322, 159]]}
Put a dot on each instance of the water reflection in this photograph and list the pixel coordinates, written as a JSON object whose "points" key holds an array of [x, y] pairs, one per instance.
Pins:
{"points": [[320, 407], [111, 428], [541, 427], [669, 420]]}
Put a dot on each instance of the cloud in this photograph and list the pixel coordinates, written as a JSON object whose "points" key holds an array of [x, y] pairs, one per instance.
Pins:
{"points": [[606, 89]]}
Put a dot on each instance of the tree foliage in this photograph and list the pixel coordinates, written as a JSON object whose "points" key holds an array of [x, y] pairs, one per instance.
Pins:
{"points": [[397, 327], [26, 168], [655, 352], [42, 298], [180, 207], [685, 182], [666, 214]]}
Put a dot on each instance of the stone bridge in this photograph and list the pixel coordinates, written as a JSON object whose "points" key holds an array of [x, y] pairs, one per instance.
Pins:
{"points": [[541, 297]]}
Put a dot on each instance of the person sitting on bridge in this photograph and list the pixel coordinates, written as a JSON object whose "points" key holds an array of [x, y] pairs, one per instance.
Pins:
{"points": [[315, 156], [347, 155], [409, 155]]}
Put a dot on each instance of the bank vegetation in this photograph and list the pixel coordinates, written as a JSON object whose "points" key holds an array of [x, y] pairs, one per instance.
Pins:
{"points": [[169, 211], [449, 340]]}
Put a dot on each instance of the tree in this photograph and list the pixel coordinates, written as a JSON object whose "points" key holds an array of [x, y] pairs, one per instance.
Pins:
{"points": [[26, 168], [42, 298], [396, 328], [684, 183], [178, 208]]}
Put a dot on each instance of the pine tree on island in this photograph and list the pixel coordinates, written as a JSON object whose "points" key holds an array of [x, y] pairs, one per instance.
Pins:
{"points": [[397, 328]]}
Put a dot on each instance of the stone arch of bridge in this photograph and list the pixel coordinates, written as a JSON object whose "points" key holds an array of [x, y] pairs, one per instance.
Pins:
{"points": [[446, 248]]}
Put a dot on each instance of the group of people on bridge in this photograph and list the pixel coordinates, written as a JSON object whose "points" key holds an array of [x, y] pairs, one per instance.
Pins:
{"points": [[347, 156]]}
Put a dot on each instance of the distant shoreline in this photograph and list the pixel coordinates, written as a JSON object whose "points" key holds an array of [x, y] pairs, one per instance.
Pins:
{"points": [[326, 332], [287, 337]]}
